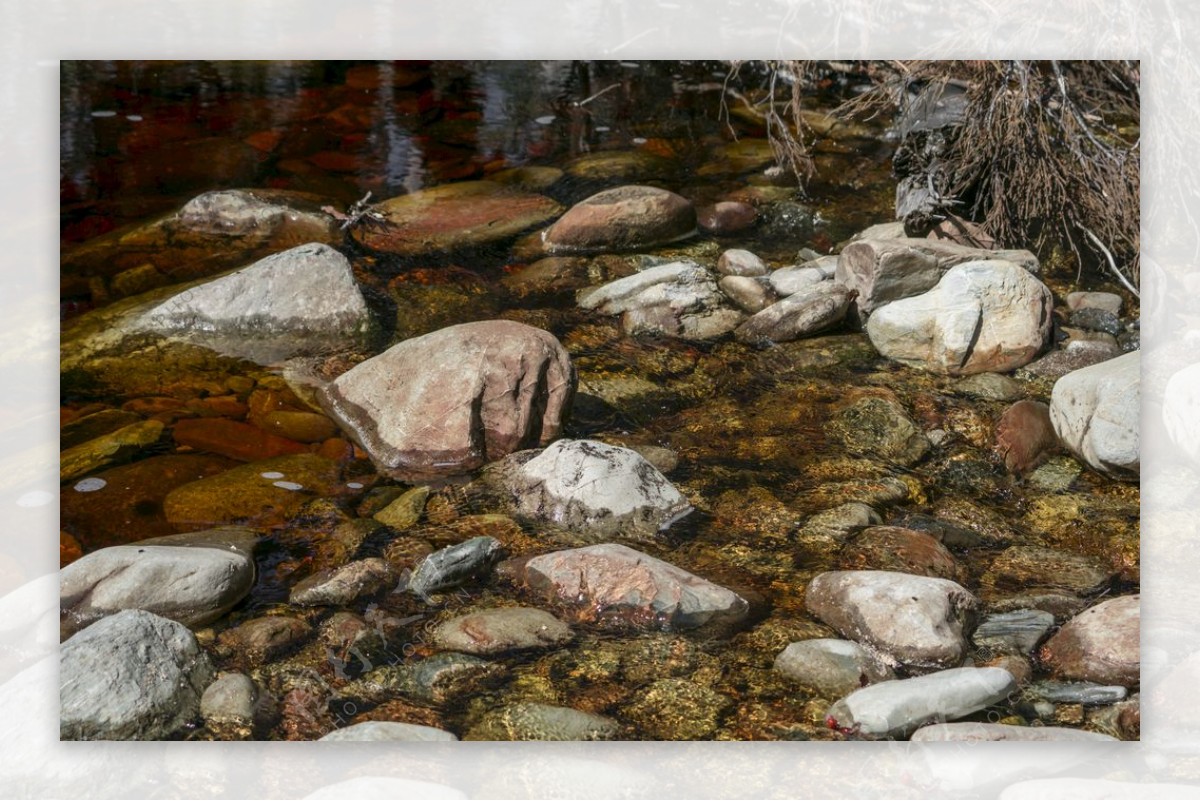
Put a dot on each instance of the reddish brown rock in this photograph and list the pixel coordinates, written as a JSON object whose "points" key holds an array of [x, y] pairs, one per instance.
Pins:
{"points": [[726, 217], [233, 439], [454, 216], [625, 218], [299, 426], [448, 402], [1100, 644], [1024, 436], [68, 549], [902, 550], [616, 585]]}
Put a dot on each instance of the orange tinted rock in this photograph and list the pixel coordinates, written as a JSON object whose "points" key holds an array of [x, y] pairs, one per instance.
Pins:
{"points": [[221, 406], [264, 141], [624, 218], [233, 439], [454, 216], [299, 426], [150, 406], [336, 161], [68, 549], [336, 449], [262, 494]]}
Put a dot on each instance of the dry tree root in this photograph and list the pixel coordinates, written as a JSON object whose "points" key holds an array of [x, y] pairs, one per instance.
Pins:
{"points": [[1040, 153]]}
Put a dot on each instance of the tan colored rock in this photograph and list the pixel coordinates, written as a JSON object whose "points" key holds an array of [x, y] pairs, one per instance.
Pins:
{"points": [[1100, 644], [1024, 436]]}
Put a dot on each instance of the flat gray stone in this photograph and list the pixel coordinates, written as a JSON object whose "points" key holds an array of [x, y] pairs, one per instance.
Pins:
{"points": [[131, 676], [805, 312], [788, 281], [191, 585], [895, 708], [1077, 692], [1016, 632], [1108, 301], [453, 566]]}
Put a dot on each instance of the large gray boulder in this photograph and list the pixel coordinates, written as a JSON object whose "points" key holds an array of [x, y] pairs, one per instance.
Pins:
{"points": [[980, 317], [1096, 412], [616, 585], [591, 487], [915, 621], [299, 302], [191, 585], [448, 402], [131, 676], [895, 708], [680, 299]]}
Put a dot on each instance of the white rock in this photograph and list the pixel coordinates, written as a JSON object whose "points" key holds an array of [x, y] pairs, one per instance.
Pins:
{"points": [[809, 311], [131, 676], [895, 708], [740, 262], [790, 280], [192, 585], [982, 316], [679, 299], [590, 486], [1096, 413]]}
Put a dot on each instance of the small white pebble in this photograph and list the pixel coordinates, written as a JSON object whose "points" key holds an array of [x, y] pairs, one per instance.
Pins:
{"points": [[35, 498], [271, 474], [288, 485], [90, 485], [104, 113], [134, 117], [638, 140], [602, 129], [544, 120], [354, 485], [632, 65]]}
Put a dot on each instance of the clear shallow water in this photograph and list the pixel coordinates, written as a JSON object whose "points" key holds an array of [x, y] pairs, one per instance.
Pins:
{"points": [[750, 426]]}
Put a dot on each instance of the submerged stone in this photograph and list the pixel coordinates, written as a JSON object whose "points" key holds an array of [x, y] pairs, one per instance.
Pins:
{"points": [[617, 585], [453, 217], [531, 721]]}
